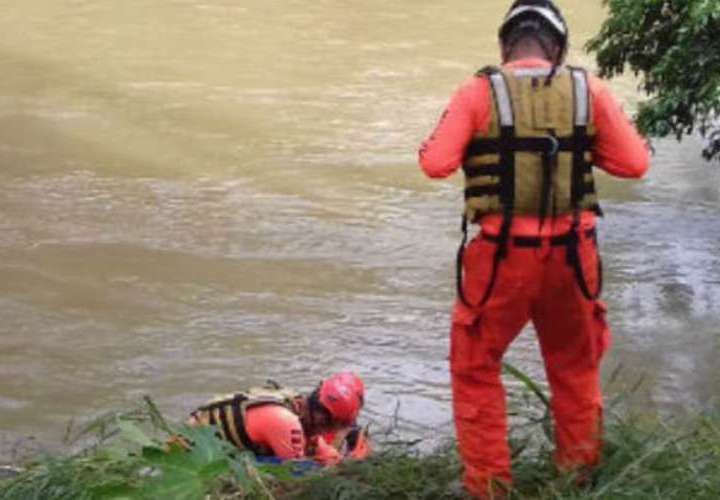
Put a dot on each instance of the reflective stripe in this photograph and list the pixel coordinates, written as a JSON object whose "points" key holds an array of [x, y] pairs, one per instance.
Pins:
{"points": [[502, 95], [582, 104], [545, 12]]}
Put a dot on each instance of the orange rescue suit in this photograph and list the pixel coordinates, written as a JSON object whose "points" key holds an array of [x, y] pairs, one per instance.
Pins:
{"points": [[533, 282]]}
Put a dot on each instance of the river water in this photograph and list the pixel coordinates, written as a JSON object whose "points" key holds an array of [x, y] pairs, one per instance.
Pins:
{"points": [[196, 195]]}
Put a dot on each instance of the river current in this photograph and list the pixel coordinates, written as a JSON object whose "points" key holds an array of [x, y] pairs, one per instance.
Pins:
{"points": [[196, 196]]}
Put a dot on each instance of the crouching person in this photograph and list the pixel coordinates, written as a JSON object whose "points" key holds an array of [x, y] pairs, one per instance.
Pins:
{"points": [[278, 422]]}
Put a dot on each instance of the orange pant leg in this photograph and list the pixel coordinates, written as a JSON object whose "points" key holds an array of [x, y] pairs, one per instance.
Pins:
{"points": [[573, 337], [479, 339]]}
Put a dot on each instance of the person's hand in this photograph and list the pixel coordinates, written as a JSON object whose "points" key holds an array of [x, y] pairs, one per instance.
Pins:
{"points": [[325, 454], [359, 443]]}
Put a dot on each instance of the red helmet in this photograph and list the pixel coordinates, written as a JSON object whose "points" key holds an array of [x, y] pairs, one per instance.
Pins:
{"points": [[343, 394]]}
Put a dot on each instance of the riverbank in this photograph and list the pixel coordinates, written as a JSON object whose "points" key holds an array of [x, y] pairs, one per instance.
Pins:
{"points": [[125, 456], [642, 459]]}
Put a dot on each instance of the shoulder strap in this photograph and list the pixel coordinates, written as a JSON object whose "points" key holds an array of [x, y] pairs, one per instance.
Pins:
{"points": [[582, 97], [501, 92]]}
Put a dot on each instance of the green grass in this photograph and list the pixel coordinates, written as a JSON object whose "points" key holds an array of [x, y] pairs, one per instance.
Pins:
{"points": [[642, 460], [125, 457]]}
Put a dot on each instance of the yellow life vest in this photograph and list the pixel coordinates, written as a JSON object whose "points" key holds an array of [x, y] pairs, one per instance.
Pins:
{"points": [[228, 413], [536, 158]]}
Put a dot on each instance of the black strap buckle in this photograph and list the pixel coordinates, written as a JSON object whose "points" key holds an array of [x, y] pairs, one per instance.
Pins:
{"points": [[554, 145]]}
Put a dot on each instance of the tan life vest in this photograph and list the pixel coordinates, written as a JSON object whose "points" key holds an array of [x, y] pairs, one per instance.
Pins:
{"points": [[536, 158], [228, 413]]}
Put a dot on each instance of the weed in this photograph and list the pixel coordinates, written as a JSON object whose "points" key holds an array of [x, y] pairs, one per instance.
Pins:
{"points": [[128, 456]]}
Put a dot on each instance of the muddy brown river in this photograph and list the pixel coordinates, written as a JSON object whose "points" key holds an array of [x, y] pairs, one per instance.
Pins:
{"points": [[198, 195]]}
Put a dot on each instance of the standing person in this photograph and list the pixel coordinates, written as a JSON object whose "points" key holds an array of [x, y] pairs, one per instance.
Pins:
{"points": [[281, 423], [527, 134]]}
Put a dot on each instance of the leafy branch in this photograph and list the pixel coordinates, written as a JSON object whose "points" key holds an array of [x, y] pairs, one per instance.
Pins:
{"points": [[673, 45]]}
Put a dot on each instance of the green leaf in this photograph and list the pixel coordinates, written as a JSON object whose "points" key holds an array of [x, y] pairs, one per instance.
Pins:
{"points": [[175, 459], [214, 470], [133, 433], [527, 382], [207, 447], [674, 47]]}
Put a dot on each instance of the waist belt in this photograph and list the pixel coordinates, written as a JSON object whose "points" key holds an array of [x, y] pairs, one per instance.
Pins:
{"points": [[537, 241]]}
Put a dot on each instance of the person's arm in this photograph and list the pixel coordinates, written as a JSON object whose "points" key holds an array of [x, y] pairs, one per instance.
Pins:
{"points": [[277, 428], [468, 112], [351, 442], [618, 148]]}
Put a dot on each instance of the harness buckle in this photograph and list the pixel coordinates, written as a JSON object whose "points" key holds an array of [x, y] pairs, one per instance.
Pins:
{"points": [[554, 145]]}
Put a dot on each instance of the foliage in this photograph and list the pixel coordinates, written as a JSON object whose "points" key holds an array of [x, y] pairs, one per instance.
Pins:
{"points": [[392, 474], [132, 459], [674, 46], [129, 461], [643, 459]]}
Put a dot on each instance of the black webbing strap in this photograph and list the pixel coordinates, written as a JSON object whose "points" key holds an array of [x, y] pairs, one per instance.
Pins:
{"points": [[572, 251], [537, 241], [578, 189], [489, 189], [240, 425], [459, 262], [549, 167], [223, 411], [507, 198], [500, 254], [483, 170], [507, 183], [210, 408], [506, 190], [485, 146], [230, 408]]}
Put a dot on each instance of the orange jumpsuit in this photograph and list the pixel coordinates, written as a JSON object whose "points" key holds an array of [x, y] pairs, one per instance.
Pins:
{"points": [[533, 284]]}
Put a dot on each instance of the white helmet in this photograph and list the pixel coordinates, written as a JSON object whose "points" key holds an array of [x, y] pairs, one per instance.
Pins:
{"points": [[530, 16]]}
